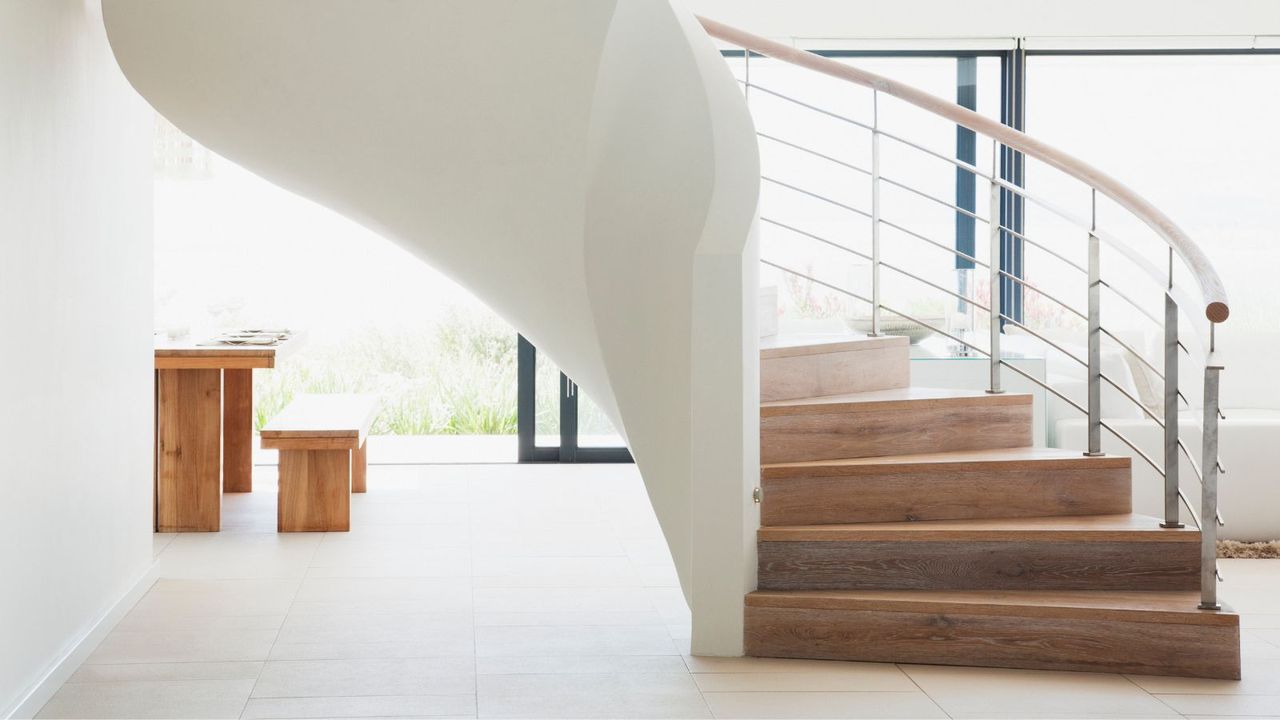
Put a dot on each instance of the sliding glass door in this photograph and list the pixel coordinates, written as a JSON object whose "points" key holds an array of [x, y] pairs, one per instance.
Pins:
{"points": [[557, 421]]}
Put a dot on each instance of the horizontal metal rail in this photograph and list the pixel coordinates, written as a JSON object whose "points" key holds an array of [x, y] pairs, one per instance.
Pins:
{"points": [[935, 243], [867, 300], [1195, 469], [812, 279], [817, 196], [936, 200], [825, 241], [1137, 403], [936, 286], [1044, 294], [940, 331], [1195, 516], [1136, 306], [1120, 436], [1010, 321], [815, 153], [1041, 246], [809, 106], [1045, 386], [1134, 353]]}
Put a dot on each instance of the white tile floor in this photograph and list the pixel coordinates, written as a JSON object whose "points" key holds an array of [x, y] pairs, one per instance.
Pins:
{"points": [[533, 591]]}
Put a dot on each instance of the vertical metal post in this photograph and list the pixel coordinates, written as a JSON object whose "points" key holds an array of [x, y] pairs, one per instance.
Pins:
{"points": [[1095, 331], [996, 239], [1209, 492], [875, 212], [1171, 460]]}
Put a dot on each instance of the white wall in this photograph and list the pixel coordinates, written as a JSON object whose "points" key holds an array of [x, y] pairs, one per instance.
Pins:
{"points": [[75, 313], [995, 18]]}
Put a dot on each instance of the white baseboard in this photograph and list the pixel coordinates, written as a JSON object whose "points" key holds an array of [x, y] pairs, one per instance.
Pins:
{"points": [[79, 649]]}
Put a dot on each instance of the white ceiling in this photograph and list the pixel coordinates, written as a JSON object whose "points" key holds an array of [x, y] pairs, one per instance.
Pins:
{"points": [[1131, 23]]}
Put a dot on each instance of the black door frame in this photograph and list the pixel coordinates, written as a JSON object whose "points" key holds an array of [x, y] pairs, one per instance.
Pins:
{"points": [[568, 451]]}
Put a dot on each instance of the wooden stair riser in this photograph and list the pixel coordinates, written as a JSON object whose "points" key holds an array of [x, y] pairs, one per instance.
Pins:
{"points": [[959, 638], [946, 491], [979, 565], [897, 429], [812, 372]]}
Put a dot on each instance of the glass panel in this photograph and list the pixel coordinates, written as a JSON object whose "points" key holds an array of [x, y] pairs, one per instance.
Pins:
{"points": [[807, 307], [594, 427], [234, 251], [1196, 135], [546, 403]]}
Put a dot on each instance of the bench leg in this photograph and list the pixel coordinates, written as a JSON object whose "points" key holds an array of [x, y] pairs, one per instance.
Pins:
{"points": [[315, 491], [359, 467]]}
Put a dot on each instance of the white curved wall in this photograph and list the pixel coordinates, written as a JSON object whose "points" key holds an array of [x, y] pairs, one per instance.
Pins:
{"points": [[586, 167]]}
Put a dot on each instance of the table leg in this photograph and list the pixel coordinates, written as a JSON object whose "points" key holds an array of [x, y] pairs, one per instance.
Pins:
{"points": [[188, 450], [237, 430]]}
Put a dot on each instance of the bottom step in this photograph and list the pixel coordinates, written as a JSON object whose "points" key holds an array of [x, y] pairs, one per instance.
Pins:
{"points": [[1145, 633]]}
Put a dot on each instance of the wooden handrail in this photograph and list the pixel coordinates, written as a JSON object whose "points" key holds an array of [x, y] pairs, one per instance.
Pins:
{"points": [[1215, 295]]}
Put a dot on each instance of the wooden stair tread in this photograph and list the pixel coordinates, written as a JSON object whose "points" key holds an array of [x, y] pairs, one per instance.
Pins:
{"points": [[1041, 458], [1121, 631], [893, 398], [778, 346], [1129, 527], [958, 485], [1138, 606]]}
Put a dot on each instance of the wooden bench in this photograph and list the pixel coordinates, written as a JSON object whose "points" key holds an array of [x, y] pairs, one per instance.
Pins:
{"points": [[321, 439]]}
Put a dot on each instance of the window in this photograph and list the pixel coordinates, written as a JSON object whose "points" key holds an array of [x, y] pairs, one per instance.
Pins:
{"points": [[1196, 134], [232, 250], [805, 152]]}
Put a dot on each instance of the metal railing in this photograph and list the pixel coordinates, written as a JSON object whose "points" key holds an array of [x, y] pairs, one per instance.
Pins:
{"points": [[1004, 138]]}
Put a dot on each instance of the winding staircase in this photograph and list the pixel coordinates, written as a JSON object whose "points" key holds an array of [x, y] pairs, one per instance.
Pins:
{"points": [[906, 524], [918, 525]]}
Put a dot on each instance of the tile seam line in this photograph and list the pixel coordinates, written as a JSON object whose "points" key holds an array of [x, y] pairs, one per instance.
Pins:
{"points": [[296, 591]]}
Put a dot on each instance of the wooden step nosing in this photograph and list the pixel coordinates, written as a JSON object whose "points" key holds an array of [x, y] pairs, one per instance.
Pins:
{"points": [[837, 469], [824, 406], [766, 599], [1039, 643], [839, 346], [826, 533]]}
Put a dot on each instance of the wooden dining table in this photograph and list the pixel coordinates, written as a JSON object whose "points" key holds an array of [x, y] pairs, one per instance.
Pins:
{"points": [[204, 427]]}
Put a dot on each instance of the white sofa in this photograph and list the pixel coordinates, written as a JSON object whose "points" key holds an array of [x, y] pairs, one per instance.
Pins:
{"points": [[1248, 445], [1249, 437]]}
